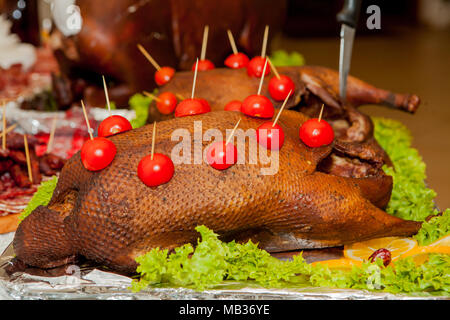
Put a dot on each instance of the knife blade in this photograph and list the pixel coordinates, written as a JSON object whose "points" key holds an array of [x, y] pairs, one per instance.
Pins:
{"points": [[348, 17]]}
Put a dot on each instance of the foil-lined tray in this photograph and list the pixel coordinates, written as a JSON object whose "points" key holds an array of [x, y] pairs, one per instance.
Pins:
{"points": [[87, 282], [84, 282]]}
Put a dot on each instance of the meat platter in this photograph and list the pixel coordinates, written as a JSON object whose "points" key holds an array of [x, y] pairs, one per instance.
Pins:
{"points": [[246, 182]]}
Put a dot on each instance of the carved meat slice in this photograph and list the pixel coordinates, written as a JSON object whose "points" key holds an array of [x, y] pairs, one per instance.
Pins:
{"points": [[111, 217]]}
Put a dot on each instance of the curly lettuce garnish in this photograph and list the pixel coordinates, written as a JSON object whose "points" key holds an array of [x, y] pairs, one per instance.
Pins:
{"points": [[140, 104], [41, 197], [411, 199], [281, 58], [214, 261]]}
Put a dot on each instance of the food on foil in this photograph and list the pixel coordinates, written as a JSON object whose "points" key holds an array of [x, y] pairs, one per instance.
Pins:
{"points": [[17, 185], [111, 217]]}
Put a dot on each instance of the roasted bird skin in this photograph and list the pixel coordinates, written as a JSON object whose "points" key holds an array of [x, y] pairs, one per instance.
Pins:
{"points": [[111, 217]]}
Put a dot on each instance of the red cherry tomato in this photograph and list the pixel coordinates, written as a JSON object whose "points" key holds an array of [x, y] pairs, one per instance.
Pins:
{"points": [[164, 75], [315, 133], [191, 107], [258, 106], [167, 103], [221, 155], [157, 171], [204, 65], [234, 105], [98, 153], [269, 136], [113, 125], [237, 61], [256, 66], [279, 88], [204, 103]]}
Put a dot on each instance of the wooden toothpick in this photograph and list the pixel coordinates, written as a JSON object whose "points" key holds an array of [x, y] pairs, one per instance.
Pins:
{"points": [[150, 95], [4, 127], [233, 44], [204, 42], [273, 68], [281, 109], [27, 155], [232, 132], [106, 95], [195, 80], [262, 78], [52, 136], [87, 120], [153, 139], [179, 96], [321, 112], [149, 57], [10, 128], [264, 46]]}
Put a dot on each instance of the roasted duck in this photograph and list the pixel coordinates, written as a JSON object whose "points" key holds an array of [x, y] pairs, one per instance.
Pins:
{"points": [[170, 30], [111, 217]]}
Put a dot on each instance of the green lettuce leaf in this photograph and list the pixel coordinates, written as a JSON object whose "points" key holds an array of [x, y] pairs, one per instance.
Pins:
{"points": [[411, 198], [281, 58], [214, 261], [437, 227], [140, 104], [41, 197]]}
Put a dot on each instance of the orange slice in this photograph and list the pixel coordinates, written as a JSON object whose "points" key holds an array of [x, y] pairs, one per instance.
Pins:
{"points": [[361, 251], [441, 245], [343, 263]]}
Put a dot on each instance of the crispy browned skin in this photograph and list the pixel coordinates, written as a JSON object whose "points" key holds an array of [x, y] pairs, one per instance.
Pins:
{"points": [[220, 86], [111, 217]]}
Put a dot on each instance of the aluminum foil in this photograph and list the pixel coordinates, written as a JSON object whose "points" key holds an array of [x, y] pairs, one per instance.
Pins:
{"points": [[84, 282]]}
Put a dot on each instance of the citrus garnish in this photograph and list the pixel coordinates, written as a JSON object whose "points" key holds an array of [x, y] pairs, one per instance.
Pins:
{"points": [[361, 251]]}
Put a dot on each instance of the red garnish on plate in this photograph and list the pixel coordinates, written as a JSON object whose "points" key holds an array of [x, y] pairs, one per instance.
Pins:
{"points": [[164, 75], [191, 107], [316, 132], [279, 87], [270, 136], [237, 60], [113, 125], [222, 154], [166, 102], [255, 67], [204, 65], [156, 168], [155, 171], [383, 254], [98, 153], [234, 105], [258, 106]]}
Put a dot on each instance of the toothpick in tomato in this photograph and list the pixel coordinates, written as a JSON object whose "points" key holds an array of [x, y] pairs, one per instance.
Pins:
{"points": [[222, 154], [192, 106], [316, 132], [166, 103], [236, 60], [156, 168], [113, 125], [270, 134], [234, 105], [97, 153], [279, 87], [255, 67], [162, 74], [258, 105], [204, 64]]}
